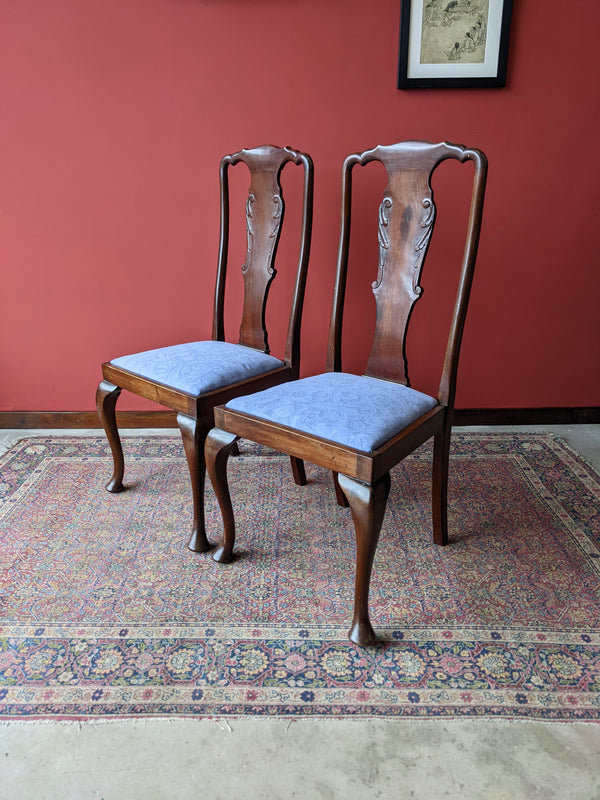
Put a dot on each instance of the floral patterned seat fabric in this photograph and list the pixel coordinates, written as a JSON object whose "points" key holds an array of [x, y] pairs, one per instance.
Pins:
{"points": [[199, 367], [352, 410]]}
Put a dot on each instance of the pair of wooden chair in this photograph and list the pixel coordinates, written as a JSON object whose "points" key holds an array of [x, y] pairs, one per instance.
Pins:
{"points": [[357, 426]]}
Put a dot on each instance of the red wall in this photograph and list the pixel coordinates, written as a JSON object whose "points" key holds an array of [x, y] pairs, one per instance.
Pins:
{"points": [[115, 114]]}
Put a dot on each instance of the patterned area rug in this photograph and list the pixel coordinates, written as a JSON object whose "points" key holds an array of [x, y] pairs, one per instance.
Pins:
{"points": [[105, 613]]}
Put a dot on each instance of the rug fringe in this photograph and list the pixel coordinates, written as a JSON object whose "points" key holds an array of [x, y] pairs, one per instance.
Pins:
{"points": [[225, 724]]}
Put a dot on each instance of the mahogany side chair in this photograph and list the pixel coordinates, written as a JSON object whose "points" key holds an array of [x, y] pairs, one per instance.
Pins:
{"points": [[360, 426], [192, 378]]}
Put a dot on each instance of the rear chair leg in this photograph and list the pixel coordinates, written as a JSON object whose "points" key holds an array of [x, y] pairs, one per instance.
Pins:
{"points": [[367, 504], [107, 395], [298, 471], [219, 445], [439, 490], [340, 497], [193, 433]]}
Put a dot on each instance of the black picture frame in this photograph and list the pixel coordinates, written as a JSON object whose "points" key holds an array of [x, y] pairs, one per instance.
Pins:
{"points": [[427, 28]]}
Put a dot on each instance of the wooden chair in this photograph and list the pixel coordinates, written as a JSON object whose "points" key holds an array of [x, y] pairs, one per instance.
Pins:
{"points": [[361, 426], [192, 378]]}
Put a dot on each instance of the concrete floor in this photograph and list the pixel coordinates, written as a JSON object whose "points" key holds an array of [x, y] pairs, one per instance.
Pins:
{"points": [[273, 759]]}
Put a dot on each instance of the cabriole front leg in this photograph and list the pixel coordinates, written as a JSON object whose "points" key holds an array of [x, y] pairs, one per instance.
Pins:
{"points": [[193, 433], [218, 448], [107, 395], [367, 504]]}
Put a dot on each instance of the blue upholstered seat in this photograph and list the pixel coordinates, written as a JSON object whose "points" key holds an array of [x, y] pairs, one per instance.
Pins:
{"points": [[352, 410], [199, 367]]}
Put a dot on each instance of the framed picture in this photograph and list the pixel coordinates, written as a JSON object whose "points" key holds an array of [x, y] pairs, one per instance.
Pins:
{"points": [[453, 43]]}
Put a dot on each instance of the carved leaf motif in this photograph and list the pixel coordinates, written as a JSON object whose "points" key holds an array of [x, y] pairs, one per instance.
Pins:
{"points": [[277, 212], [276, 215], [426, 223], [384, 239], [422, 242], [273, 233], [249, 229]]}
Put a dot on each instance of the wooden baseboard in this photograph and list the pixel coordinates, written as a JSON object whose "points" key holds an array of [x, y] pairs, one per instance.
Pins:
{"points": [[527, 416], [167, 419], [85, 419]]}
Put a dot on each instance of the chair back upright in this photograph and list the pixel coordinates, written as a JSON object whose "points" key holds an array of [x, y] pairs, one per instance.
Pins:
{"points": [[406, 220], [264, 218]]}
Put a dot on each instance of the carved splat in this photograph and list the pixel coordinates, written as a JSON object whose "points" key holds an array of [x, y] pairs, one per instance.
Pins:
{"points": [[276, 215], [264, 219], [406, 220], [264, 215]]}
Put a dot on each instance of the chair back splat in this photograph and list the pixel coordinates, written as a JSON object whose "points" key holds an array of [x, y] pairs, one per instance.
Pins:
{"points": [[191, 378], [361, 426], [406, 221], [264, 218]]}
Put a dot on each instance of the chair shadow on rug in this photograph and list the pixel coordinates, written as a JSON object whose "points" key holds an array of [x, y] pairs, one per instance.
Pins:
{"points": [[192, 378], [361, 426]]}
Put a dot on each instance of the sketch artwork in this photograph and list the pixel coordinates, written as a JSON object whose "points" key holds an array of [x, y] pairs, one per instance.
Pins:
{"points": [[454, 31]]}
